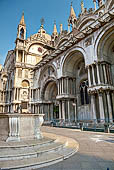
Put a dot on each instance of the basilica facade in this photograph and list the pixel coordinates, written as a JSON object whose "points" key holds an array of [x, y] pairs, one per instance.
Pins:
{"points": [[68, 75]]}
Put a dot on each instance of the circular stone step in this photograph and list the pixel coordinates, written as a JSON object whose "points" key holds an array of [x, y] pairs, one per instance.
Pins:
{"points": [[24, 158], [26, 143]]}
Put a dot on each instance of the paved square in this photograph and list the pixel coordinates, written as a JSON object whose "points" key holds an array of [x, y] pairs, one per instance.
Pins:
{"points": [[96, 150]]}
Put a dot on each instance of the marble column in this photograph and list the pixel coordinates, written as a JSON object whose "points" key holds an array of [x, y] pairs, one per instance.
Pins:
{"points": [[59, 109], [68, 110], [98, 73], [93, 74], [51, 111], [8, 109], [74, 86], [38, 109], [109, 106], [62, 85], [113, 101], [93, 108], [36, 94], [105, 76], [58, 87], [101, 108], [71, 86], [48, 112], [108, 76], [75, 112], [101, 73], [67, 85], [63, 110], [42, 108], [3, 97], [89, 77], [16, 55], [23, 57]]}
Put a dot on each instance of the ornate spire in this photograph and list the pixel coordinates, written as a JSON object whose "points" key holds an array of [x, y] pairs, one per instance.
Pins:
{"points": [[55, 29], [22, 21], [72, 18], [61, 28], [94, 1], [72, 13], [82, 6]]}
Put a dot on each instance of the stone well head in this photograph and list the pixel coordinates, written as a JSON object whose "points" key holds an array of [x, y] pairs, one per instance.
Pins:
{"points": [[16, 127]]}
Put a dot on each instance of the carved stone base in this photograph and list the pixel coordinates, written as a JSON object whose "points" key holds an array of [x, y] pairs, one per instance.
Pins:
{"points": [[16, 127]]}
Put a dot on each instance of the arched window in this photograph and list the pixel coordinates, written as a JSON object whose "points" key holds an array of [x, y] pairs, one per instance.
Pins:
{"points": [[84, 93], [22, 33], [25, 83]]}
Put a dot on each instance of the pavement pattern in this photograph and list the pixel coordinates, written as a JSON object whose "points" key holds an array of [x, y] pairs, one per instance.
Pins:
{"points": [[96, 150]]}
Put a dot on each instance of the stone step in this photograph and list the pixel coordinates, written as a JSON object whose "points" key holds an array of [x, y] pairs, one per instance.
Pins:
{"points": [[41, 161], [22, 153], [26, 143], [32, 154]]}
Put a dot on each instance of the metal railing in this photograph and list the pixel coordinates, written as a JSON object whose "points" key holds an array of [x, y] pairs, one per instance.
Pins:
{"points": [[93, 125]]}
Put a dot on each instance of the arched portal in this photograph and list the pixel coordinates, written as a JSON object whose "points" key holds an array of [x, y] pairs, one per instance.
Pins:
{"points": [[75, 82], [105, 53], [50, 105]]}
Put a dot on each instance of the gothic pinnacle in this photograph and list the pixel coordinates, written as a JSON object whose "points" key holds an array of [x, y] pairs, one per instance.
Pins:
{"points": [[22, 21]]}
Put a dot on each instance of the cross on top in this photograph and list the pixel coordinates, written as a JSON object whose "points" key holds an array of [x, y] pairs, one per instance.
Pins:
{"points": [[42, 21]]}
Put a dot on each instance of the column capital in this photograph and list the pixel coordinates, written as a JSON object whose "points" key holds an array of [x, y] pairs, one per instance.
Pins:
{"points": [[100, 93], [107, 92]]}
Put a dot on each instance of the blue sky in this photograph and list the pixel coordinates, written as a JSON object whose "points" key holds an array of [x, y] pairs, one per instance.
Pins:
{"points": [[34, 10]]}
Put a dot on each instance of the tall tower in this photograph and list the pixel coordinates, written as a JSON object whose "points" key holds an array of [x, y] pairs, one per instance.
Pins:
{"points": [[21, 85], [20, 40], [21, 34], [72, 19]]}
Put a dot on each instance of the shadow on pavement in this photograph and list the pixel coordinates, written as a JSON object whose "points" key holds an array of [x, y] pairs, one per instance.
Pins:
{"points": [[82, 162]]}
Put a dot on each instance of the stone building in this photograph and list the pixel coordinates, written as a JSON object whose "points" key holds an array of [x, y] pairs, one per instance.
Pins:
{"points": [[67, 75]]}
